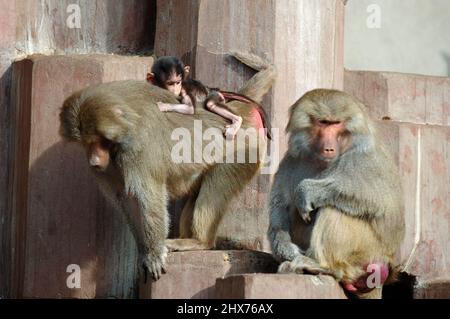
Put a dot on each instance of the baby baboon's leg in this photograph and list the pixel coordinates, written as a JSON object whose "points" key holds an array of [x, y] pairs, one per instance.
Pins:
{"points": [[222, 110]]}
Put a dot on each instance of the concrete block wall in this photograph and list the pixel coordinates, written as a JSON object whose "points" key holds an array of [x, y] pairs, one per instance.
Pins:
{"points": [[402, 97], [416, 128]]}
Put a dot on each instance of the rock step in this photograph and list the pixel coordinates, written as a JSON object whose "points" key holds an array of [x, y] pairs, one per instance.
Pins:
{"points": [[193, 274]]}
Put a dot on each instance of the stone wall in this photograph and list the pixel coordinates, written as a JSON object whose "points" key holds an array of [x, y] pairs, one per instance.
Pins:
{"points": [[40, 27]]}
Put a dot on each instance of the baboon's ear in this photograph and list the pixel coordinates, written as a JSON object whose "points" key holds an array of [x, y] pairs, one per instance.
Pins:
{"points": [[117, 111], [187, 69], [151, 77], [119, 124], [125, 116]]}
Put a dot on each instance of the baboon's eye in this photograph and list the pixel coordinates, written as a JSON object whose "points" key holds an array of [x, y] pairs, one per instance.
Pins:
{"points": [[106, 143], [329, 122]]}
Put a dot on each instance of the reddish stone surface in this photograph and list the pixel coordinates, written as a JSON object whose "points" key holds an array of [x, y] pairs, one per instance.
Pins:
{"points": [[193, 274], [33, 27], [421, 152], [59, 216], [434, 289], [402, 97], [278, 286], [105, 26]]}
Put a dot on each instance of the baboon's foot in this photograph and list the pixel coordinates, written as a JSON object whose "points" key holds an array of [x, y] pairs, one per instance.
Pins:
{"points": [[185, 244], [303, 265]]}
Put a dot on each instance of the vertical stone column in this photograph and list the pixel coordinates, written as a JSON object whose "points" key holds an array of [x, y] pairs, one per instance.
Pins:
{"points": [[59, 217]]}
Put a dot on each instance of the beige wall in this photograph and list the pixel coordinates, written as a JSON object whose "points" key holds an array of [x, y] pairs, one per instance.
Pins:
{"points": [[414, 37]]}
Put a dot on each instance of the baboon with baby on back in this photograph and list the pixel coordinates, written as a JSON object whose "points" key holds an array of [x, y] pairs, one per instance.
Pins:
{"points": [[129, 147]]}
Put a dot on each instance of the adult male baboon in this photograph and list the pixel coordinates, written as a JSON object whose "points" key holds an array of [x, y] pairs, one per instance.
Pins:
{"points": [[336, 203], [130, 143]]}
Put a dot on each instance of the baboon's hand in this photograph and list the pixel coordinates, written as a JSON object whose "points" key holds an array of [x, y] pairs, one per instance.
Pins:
{"points": [[163, 107], [286, 250], [305, 198], [153, 264], [306, 216], [308, 190]]}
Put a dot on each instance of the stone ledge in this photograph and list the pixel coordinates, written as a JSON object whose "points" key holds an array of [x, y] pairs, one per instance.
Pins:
{"points": [[278, 286], [433, 289], [193, 274]]}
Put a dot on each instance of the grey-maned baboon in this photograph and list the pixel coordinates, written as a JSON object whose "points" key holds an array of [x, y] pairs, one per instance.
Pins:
{"points": [[336, 202]]}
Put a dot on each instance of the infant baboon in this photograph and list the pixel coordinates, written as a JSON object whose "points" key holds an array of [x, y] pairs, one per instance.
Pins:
{"points": [[168, 72]]}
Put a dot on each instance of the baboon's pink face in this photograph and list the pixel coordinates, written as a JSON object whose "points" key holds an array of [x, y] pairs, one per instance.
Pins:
{"points": [[98, 153], [174, 84], [330, 139]]}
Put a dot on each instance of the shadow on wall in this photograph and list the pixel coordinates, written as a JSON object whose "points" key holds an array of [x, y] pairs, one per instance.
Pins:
{"points": [[65, 227]]}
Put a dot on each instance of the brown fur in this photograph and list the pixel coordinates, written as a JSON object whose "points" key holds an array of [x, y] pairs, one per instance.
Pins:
{"points": [[140, 176], [357, 201]]}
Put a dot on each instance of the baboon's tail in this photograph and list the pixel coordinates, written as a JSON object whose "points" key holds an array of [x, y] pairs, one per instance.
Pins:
{"points": [[262, 81]]}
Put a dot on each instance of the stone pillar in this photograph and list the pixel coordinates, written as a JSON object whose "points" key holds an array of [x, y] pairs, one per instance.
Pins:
{"points": [[193, 274], [59, 216]]}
